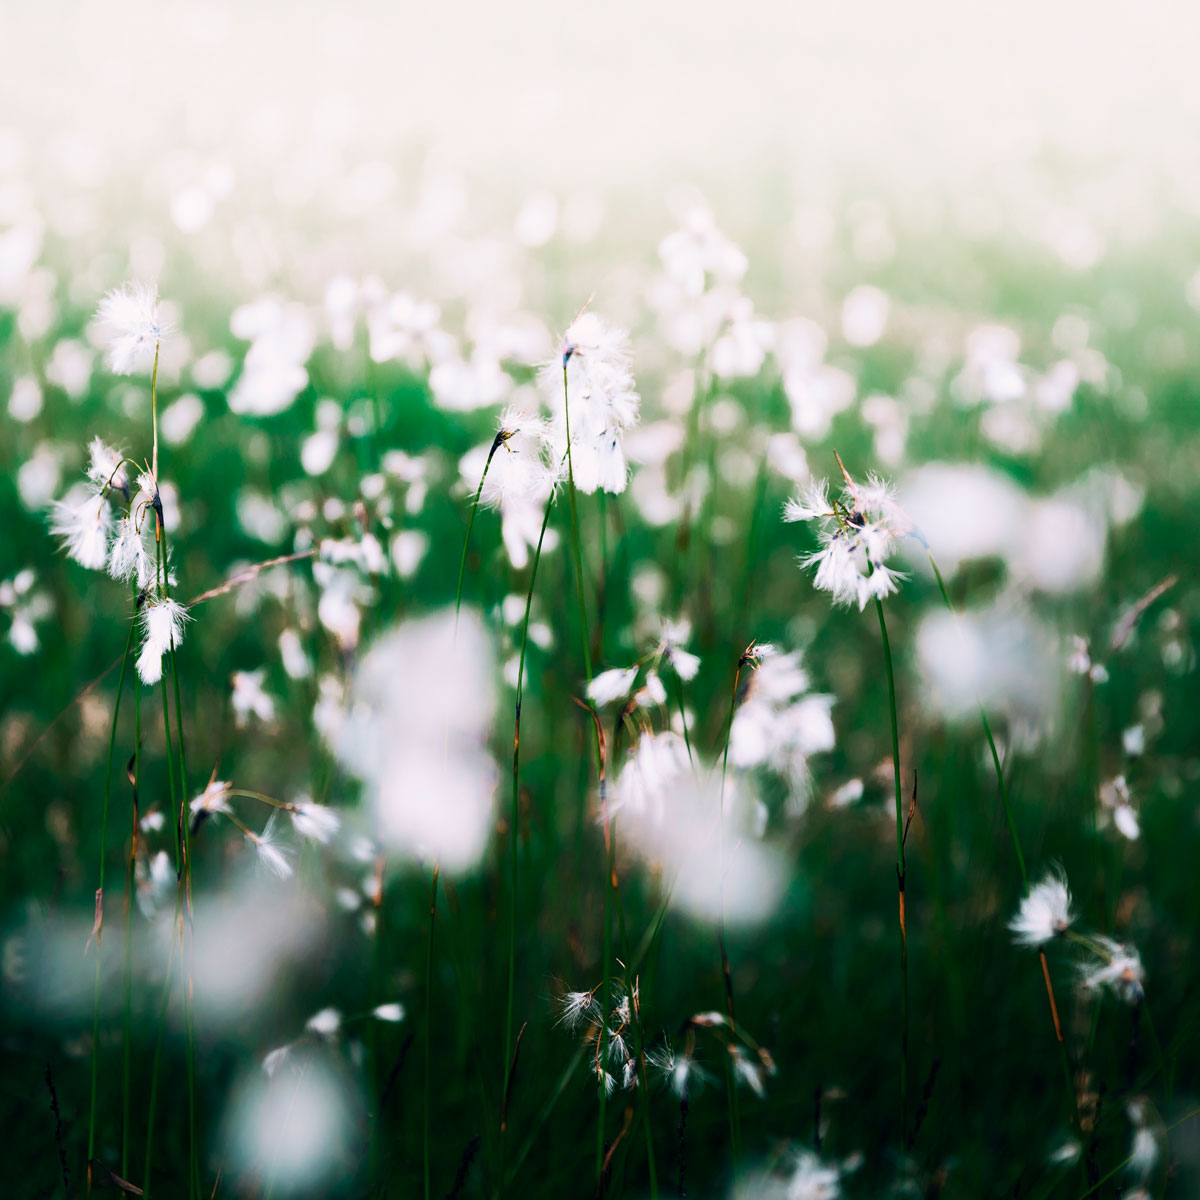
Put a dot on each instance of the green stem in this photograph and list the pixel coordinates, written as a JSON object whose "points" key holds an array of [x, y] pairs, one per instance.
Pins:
{"points": [[429, 1015], [514, 818], [112, 743], [900, 874], [462, 565], [162, 1025]]}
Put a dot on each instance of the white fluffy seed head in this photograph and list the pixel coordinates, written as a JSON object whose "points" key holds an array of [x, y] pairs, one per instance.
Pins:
{"points": [[1045, 913]]}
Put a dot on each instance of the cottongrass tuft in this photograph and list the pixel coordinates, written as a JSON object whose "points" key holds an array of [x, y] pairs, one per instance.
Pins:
{"points": [[129, 318], [1045, 913], [163, 619]]}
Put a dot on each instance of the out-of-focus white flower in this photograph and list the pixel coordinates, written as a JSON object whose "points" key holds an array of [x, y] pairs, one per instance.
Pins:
{"points": [[388, 1012], [1119, 969], [1044, 913], [680, 1072], [249, 699], [214, 799], [779, 724], [654, 767], [670, 650], [577, 1008], [154, 881], [274, 857], [810, 1178], [1116, 807], [314, 821], [414, 730], [26, 606], [325, 1023], [741, 348], [611, 685], [128, 315], [290, 1130], [163, 619]]}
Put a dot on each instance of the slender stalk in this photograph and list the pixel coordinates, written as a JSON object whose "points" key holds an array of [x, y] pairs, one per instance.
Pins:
{"points": [[578, 557], [433, 887], [726, 973], [154, 413], [499, 441], [900, 875], [687, 740], [127, 1041], [587, 663], [112, 743], [514, 816], [162, 1025]]}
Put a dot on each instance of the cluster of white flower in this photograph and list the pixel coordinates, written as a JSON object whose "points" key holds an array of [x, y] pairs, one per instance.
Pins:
{"points": [[857, 533], [615, 1047], [128, 317], [522, 470], [316, 822], [84, 520], [780, 724], [415, 725], [599, 404], [325, 1026], [1046, 913], [26, 605]]}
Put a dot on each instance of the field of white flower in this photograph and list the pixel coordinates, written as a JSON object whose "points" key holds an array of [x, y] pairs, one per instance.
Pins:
{"points": [[505, 695]]}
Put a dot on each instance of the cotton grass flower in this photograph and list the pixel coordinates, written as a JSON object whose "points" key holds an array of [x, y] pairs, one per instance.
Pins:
{"points": [[84, 525], [603, 403], [273, 856], [1119, 969], [612, 685], [1045, 913], [128, 317], [163, 620], [314, 821], [857, 533], [391, 1013]]}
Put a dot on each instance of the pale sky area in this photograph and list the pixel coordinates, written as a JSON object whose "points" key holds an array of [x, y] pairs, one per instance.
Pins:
{"points": [[925, 93]]}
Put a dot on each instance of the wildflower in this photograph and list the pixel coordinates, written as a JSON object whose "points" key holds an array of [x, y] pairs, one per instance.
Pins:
{"points": [[811, 1179], [1143, 1154], [213, 800], [274, 1060], [679, 1071], [84, 527], [1120, 969], [519, 466], [858, 532], [129, 317], [603, 403], [388, 1012], [577, 1007], [780, 725], [1044, 913], [611, 685], [153, 882], [325, 1024], [128, 557], [1116, 806], [747, 1073], [106, 468], [271, 854], [249, 699], [162, 626], [671, 651], [314, 821], [653, 768]]}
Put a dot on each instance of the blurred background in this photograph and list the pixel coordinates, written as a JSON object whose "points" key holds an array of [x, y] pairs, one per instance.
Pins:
{"points": [[960, 245]]}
